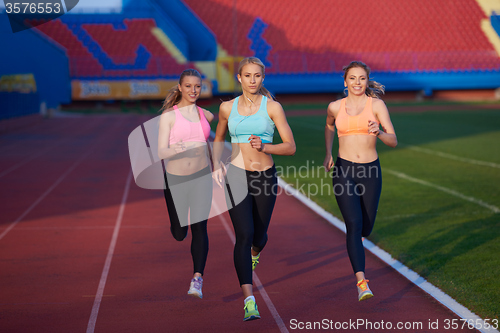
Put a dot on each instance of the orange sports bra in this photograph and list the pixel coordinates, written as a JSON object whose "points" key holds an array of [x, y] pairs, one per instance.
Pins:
{"points": [[354, 125]]}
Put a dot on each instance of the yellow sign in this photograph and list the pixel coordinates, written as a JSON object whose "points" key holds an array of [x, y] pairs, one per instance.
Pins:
{"points": [[22, 83], [128, 90]]}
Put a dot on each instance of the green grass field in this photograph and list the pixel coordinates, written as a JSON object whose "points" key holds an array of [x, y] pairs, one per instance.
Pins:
{"points": [[439, 210]]}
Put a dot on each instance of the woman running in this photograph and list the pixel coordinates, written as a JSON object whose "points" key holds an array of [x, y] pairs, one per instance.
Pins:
{"points": [[182, 145], [357, 179], [251, 177]]}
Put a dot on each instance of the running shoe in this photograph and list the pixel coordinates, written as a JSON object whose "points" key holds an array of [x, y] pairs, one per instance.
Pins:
{"points": [[255, 261], [195, 287], [364, 291], [251, 312]]}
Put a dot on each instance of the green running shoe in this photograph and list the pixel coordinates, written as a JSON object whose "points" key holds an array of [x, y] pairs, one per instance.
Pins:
{"points": [[251, 312], [255, 261]]}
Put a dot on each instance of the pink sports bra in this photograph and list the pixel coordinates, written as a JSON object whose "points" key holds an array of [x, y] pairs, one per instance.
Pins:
{"points": [[354, 125], [189, 131]]}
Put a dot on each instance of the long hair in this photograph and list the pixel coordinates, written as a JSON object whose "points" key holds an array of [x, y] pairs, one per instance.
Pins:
{"points": [[256, 61], [373, 89], [174, 95]]}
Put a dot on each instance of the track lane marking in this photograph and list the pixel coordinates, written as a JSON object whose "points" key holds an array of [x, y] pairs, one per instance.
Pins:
{"points": [[107, 264]]}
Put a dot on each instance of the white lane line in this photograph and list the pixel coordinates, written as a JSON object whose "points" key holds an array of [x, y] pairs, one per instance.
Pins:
{"points": [[412, 276], [495, 209], [256, 279], [37, 201], [453, 157], [109, 257]]}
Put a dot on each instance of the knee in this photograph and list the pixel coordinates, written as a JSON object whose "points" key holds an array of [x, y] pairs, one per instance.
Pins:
{"points": [[199, 229], [354, 227], [259, 244], [179, 235], [367, 227], [244, 238], [367, 231]]}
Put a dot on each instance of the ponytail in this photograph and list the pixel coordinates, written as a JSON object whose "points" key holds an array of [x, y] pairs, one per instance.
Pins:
{"points": [[173, 97], [375, 89], [263, 91]]}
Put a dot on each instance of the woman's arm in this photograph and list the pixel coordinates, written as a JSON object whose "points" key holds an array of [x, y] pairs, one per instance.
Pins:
{"points": [[287, 147], [330, 134], [387, 135], [165, 151], [219, 140]]}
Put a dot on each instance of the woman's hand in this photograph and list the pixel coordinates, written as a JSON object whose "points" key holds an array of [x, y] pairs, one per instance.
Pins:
{"points": [[373, 127], [256, 142], [179, 147], [328, 163], [219, 174]]}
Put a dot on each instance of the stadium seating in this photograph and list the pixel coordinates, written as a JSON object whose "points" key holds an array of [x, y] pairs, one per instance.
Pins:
{"points": [[112, 47], [324, 35]]}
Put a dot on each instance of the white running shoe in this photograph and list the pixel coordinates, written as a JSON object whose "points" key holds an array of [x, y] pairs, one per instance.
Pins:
{"points": [[195, 287]]}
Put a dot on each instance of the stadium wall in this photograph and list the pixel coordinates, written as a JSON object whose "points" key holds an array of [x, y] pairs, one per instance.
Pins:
{"points": [[393, 81], [33, 72]]}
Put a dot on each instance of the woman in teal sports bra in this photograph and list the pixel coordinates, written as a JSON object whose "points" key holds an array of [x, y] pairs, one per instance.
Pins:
{"points": [[250, 179]]}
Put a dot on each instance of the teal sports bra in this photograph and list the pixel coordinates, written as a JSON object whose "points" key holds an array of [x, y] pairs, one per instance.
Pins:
{"points": [[259, 124]]}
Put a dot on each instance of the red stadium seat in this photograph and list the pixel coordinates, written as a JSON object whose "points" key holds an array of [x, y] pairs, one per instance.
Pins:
{"points": [[447, 28]]}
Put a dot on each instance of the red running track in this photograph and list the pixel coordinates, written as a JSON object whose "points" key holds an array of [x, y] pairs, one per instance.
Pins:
{"points": [[83, 249]]}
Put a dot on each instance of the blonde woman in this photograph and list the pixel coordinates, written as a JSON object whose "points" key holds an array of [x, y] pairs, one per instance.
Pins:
{"points": [[182, 145], [251, 119], [357, 179]]}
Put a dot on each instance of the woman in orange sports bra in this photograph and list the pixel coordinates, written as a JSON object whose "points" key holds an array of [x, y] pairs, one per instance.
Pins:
{"points": [[357, 179]]}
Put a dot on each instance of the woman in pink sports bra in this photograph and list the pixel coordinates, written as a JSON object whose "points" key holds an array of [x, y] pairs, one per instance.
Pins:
{"points": [[357, 179], [182, 146]]}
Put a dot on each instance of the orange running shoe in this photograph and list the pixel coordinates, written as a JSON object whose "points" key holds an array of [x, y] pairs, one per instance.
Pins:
{"points": [[364, 291]]}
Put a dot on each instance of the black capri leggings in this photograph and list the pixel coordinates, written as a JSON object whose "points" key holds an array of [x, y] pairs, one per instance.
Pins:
{"points": [[357, 188], [251, 196], [191, 194]]}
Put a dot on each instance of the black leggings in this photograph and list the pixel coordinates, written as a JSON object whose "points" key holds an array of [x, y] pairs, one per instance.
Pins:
{"points": [[191, 194], [357, 188], [250, 197]]}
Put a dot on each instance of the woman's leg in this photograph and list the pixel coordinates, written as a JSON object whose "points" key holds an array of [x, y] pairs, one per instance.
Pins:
{"points": [[242, 220], [263, 188], [350, 207], [200, 201], [179, 232], [372, 188]]}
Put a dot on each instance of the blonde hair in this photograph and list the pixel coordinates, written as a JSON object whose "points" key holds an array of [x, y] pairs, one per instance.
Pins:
{"points": [[174, 95], [256, 61], [373, 89]]}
